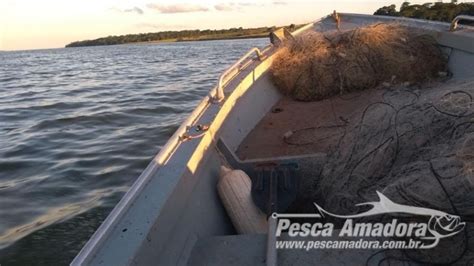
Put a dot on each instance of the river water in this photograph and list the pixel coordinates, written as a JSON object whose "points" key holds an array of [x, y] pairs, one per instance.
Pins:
{"points": [[77, 127]]}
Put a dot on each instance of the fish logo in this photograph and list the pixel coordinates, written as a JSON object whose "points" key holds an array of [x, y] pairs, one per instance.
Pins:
{"points": [[440, 224]]}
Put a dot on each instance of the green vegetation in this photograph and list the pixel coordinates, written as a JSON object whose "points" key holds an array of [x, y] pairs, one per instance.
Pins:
{"points": [[184, 35], [430, 11]]}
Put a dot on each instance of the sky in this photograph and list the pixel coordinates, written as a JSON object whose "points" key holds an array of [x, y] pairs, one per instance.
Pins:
{"points": [[33, 24]]}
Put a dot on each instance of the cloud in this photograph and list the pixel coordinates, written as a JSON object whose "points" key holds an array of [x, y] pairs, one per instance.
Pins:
{"points": [[177, 8], [134, 10], [231, 6], [159, 26], [249, 4], [276, 2], [225, 7], [129, 10]]}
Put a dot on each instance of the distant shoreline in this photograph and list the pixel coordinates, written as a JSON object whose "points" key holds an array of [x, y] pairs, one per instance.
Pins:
{"points": [[182, 36], [178, 41], [206, 39]]}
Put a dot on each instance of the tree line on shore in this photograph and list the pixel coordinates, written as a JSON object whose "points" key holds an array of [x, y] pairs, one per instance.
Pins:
{"points": [[431, 11], [184, 35]]}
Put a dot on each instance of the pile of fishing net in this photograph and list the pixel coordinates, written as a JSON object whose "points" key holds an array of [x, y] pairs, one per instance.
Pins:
{"points": [[315, 66], [411, 139], [416, 147]]}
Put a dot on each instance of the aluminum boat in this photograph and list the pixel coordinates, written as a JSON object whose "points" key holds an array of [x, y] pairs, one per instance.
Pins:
{"points": [[172, 214]]}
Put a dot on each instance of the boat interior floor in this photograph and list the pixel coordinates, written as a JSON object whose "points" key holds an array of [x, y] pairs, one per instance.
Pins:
{"points": [[294, 128], [309, 127]]}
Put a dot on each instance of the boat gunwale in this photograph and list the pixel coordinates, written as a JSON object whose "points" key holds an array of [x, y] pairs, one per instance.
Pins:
{"points": [[87, 253]]}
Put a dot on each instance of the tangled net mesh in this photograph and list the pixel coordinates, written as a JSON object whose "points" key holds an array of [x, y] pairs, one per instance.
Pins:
{"points": [[413, 144], [416, 147], [315, 66]]}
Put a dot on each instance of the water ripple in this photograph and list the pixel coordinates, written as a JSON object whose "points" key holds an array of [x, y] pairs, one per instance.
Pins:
{"points": [[77, 127]]}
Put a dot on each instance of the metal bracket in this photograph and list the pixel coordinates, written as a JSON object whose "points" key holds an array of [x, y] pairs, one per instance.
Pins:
{"points": [[279, 36], [199, 128], [454, 23], [219, 94], [249, 166], [337, 19]]}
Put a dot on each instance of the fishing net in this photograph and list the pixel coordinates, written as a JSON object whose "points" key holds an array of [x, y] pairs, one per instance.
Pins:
{"points": [[315, 66], [407, 135], [416, 147]]}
